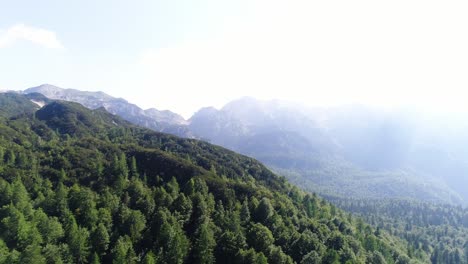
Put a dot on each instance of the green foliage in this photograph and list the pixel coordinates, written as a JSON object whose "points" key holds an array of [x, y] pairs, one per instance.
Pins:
{"points": [[149, 258], [433, 233], [260, 237], [264, 210], [12, 104], [204, 243], [77, 240], [123, 252], [100, 239], [81, 186]]}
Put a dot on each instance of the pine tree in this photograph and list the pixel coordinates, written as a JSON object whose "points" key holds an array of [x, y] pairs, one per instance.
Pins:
{"points": [[245, 212], [77, 239], [149, 258], [95, 259], [32, 254], [133, 168], [204, 243], [123, 252], [2, 156], [100, 239]]}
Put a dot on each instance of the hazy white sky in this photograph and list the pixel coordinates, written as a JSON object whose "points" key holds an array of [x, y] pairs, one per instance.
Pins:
{"points": [[181, 56]]}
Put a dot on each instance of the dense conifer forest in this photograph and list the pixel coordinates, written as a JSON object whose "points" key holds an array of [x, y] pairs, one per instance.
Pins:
{"points": [[82, 186], [436, 233]]}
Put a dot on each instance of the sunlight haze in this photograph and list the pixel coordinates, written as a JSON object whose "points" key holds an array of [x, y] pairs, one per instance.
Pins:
{"points": [[246, 131], [182, 56]]}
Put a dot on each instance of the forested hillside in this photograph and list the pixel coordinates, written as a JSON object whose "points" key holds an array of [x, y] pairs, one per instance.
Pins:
{"points": [[82, 186], [435, 233], [162, 121], [347, 151]]}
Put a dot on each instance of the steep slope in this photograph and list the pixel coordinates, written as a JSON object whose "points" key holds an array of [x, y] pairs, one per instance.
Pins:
{"points": [[13, 104], [263, 130], [68, 118], [344, 151], [351, 151], [81, 186], [162, 121]]}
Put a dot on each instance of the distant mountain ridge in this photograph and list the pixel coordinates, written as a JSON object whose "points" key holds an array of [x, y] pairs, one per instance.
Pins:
{"points": [[345, 151], [161, 121], [85, 186], [349, 151]]}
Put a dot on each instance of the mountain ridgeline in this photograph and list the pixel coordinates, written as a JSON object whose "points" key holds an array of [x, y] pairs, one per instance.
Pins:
{"points": [[85, 186], [162, 121], [343, 151], [397, 171], [365, 160]]}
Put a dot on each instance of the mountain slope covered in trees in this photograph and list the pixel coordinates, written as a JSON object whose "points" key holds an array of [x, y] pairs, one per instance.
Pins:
{"points": [[346, 151], [84, 186], [162, 121], [436, 233]]}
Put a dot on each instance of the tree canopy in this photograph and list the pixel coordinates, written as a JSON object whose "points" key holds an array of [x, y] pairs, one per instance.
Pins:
{"points": [[82, 186]]}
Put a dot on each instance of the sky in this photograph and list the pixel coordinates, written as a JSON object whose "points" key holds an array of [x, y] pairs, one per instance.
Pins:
{"points": [[184, 55]]}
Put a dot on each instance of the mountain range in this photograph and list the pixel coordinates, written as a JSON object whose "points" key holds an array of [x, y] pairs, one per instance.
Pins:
{"points": [[353, 150], [161, 121], [85, 186], [346, 151], [67, 166]]}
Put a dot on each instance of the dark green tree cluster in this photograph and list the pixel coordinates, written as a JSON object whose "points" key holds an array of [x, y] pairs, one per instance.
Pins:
{"points": [[435, 233], [81, 186]]}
